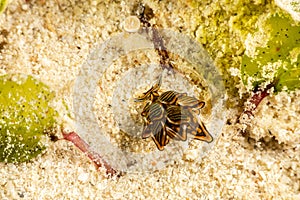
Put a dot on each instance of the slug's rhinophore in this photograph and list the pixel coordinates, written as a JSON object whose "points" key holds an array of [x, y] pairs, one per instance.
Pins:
{"points": [[171, 115]]}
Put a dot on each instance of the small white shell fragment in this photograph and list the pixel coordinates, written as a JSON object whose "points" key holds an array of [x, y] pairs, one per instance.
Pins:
{"points": [[191, 155], [132, 24], [83, 177]]}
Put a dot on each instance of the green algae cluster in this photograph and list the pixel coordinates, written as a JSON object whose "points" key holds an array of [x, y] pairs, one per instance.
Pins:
{"points": [[3, 4], [280, 57], [26, 117], [222, 27]]}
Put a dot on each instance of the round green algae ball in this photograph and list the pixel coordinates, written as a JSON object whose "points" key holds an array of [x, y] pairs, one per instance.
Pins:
{"points": [[26, 117]]}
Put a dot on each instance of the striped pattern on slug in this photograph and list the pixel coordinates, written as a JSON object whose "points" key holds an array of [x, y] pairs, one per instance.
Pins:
{"points": [[171, 115]]}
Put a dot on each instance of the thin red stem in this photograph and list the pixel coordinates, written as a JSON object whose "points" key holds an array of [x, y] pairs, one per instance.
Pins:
{"points": [[84, 147], [256, 99]]}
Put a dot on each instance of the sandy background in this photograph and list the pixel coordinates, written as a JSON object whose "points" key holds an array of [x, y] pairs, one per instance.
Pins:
{"points": [[52, 39]]}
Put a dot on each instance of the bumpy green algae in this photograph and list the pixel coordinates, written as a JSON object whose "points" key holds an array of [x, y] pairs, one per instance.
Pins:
{"points": [[279, 62], [3, 4], [26, 117], [222, 28], [225, 25]]}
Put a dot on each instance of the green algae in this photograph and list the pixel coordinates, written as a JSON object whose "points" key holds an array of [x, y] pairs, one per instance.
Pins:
{"points": [[222, 27], [26, 117], [3, 4], [225, 25], [278, 62]]}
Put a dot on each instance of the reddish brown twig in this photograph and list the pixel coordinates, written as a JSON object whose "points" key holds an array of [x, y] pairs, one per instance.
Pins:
{"points": [[165, 61], [84, 147], [146, 13], [256, 98]]}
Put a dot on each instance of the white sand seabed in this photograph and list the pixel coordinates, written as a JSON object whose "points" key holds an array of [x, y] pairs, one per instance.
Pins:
{"points": [[52, 41]]}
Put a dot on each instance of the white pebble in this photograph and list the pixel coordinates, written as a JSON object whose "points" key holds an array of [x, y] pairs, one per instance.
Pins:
{"points": [[24, 7], [83, 177], [191, 155], [132, 24]]}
